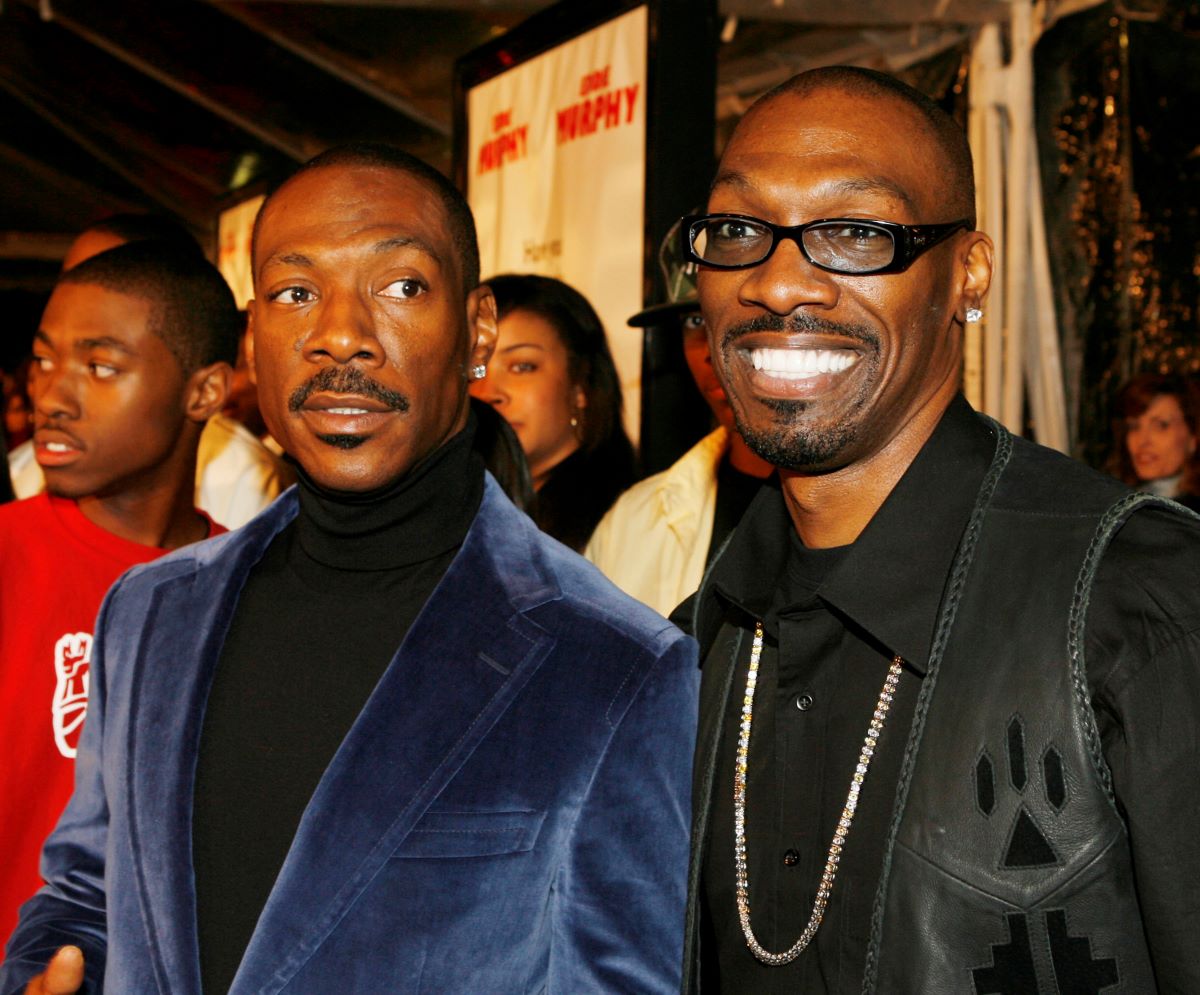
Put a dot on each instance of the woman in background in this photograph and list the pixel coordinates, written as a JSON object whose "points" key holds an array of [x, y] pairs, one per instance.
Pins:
{"points": [[553, 378], [1156, 419]]}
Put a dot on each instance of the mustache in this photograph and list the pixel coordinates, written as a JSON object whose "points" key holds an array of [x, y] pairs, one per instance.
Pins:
{"points": [[53, 424], [801, 322], [346, 380]]}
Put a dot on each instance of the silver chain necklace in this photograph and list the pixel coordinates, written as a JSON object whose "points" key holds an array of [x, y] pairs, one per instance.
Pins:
{"points": [[741, 875]]}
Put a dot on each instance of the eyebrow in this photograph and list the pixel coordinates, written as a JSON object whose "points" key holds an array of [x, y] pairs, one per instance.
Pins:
{"points": [[289, 258], [383, 245], [523, 345], [83, 345], [104, 342], [871, 184], [850, 184], [404, 241]]}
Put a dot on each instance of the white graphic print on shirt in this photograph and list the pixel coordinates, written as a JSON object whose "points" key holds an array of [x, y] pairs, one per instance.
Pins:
{"points": [[72, 658]]}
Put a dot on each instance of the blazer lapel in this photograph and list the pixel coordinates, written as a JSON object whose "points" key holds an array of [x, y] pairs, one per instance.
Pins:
{"points": [[467, 656], [175, 657]]}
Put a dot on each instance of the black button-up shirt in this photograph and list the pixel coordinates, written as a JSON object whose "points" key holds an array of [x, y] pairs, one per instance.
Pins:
{"points": [[834, 618]]}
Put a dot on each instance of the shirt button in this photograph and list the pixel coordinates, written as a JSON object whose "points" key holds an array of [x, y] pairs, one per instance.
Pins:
{"points": [[804, 702], [791, 858]]}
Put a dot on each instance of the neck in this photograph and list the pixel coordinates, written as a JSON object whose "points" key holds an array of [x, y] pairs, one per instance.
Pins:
{"points": [[163, 514], [414, 519], [541, 473], [1163, 486], [832, 509]]}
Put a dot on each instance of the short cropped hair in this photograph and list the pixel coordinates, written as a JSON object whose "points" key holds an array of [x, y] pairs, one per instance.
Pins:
{"points": [[948, 137], [376, 155], [191, 306], [145, 228]]}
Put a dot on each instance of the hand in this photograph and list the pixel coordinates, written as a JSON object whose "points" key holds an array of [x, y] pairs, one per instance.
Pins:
{"points": [[63, 975]]}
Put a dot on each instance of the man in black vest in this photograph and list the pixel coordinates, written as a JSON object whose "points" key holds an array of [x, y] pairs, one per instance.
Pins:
{"points": [[948, 736]]}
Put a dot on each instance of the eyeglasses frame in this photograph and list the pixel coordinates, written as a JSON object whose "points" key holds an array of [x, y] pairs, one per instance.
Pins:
{"points": [[911, 241]]}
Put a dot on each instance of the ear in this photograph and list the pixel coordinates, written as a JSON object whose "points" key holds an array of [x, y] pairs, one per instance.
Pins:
{"points": [[249, 333], [976, 274], [482, 324], [579, 397], [206, 391]]}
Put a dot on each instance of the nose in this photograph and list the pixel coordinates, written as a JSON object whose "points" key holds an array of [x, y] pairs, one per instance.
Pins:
{"points": [[53, 393], [787, 281], [344, 331]]}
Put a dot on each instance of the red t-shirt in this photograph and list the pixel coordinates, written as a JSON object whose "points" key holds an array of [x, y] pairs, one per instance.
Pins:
{"points": [[55, 568]]}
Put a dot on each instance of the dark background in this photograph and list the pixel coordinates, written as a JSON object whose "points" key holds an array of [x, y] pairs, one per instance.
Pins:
{"points": [[188, 106]]}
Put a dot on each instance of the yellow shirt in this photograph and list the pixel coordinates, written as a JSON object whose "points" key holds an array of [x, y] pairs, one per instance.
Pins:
{"points": [[653, 542]]}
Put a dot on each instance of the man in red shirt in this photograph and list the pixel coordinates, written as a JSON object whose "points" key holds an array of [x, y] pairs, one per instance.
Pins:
{"points": [[133, 355]]}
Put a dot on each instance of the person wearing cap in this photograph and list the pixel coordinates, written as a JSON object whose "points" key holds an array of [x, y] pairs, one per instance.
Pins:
{"points": [[656, 540]]}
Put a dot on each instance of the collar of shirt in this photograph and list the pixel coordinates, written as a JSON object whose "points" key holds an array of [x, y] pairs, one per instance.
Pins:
{"points": [[890, 580]]}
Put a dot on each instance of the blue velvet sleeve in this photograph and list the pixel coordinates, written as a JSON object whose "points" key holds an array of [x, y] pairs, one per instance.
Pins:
{"points": [[619, 897]]}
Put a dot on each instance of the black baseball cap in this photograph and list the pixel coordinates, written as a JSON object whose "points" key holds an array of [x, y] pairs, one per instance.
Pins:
{"points": [[679, 277]]}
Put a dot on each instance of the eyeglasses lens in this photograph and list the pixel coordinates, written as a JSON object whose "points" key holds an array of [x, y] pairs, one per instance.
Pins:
{"points": [[731, 241], [840, 246], [848, 248]]}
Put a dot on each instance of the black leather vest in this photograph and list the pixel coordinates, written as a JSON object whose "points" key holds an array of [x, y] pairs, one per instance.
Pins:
{"points": [[1007, 867]]}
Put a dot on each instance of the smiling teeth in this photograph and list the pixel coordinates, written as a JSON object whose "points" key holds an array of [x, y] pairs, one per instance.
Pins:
{"points": [[58, 447], [347, 411], [799, 363]]}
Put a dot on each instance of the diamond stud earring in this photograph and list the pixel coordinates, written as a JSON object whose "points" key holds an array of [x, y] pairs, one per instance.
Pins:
{"points": [[478, 372], [973, 315]]}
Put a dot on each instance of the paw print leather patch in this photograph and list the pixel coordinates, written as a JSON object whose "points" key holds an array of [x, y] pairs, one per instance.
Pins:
{"points": [[1027, 845]]}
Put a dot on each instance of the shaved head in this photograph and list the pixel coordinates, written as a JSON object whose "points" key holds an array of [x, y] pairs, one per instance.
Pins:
{"points": [[946, 138]]}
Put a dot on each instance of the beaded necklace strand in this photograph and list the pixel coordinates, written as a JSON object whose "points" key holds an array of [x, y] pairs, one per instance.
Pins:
{"points": [[741, 875]]}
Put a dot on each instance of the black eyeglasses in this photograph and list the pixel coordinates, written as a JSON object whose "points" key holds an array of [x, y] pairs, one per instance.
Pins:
{"points": [[839, 245]]}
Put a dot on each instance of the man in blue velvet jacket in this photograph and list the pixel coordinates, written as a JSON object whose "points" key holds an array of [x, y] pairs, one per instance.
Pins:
{"points": [[387, 737]]}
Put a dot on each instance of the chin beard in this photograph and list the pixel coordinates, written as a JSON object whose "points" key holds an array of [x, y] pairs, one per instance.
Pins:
{"points": [[791, 445], [793, 440], [343, 441]]}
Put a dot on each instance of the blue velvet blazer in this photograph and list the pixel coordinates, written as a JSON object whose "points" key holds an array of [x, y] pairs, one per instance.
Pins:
{"points": [[508, 813]]}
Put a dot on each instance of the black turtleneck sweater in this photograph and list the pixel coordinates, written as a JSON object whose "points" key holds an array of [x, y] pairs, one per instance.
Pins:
{"points": [[320, 618]]}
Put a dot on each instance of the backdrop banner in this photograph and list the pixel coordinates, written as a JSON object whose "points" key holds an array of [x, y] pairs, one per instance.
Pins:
{"points": [[556, 151]]}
